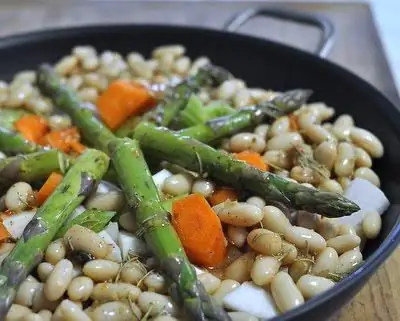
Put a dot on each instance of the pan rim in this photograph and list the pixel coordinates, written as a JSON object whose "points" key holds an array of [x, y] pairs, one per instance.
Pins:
{"points": [[391, 113]]}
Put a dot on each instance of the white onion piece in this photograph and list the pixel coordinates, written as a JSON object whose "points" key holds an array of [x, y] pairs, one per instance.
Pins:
{"points": [[16, 224], [130, 244], [114, 254]]}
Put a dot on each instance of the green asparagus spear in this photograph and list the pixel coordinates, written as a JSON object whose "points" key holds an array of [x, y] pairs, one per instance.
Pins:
{"points": [[153, 222], [94, 220], [13, 143], [31, 167], [142, 195], [247, 116], [176, 98], [9, 116], [28, 252], [196, 156]]}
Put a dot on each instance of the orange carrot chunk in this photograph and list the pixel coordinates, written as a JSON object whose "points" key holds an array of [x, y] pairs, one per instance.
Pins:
{"points": [[48, 187], [252, 158], [121, 100], [32, 127], [199, 230], [4, 235], [66, 140], [221, 195]]}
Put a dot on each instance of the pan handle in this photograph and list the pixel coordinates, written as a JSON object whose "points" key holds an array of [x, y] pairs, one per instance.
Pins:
{"points": [[321, 22]]}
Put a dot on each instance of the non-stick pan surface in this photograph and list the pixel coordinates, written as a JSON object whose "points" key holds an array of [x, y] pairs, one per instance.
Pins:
{"points": [[264, 64]]}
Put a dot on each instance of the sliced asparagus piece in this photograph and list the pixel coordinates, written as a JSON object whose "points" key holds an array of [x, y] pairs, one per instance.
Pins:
{"points": [[142, 196], [196, 156], [12, 143], [28, 252]]}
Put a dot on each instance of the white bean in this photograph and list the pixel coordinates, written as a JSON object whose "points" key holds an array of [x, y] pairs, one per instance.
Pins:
{"points": [[175, 50], [177, 184], [115, 292], [310, 285], [239, 214], [73, 312], [6, 248], [323, 110], [164, 318], [210, 282], [345, 161], [285, 293], [198, 63], [264, 269], [264, 241], [344, 243], [368, 141], [32, 317], [17, 196], [326, 263], [349, 260], [344, 120], [58, 122], [82, 239], [299, 268], [80, 288], [58, 281], [372, 224], [330, 185], [242, 316], [96, 80], [228, 88], [226, 287], [154, 303], [165, 62], [284, 142], [278, 158], [155, 282], [342, 133], [262, 130], [305, 238], [44, 269], [66, 65], [279, 126], [181, 66], [17, 312], [344, 182], [240, 269], [203, 187], [55, 252], [274, 219], [237, 235], [142, 69], [132, 272], [111, 201], [326, 153], [28, 76], [45, 315], [26, 292], [39, 105], [289, 253], [346, 229], [75, 82], [247, 141], [127, 221], [89, 94], [40, 300], [317, 134], [304, 175], [307, 220], [362, 158], [90, 63], [241, 98], [308, 118], [101, 270], [368, 174], [257, 201], [82, 52], [113, 311]]}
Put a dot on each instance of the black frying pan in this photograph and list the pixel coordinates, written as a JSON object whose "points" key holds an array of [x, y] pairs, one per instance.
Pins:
{"points": [[263, 64]]}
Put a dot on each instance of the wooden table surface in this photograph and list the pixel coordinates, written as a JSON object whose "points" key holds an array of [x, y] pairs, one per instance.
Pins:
{"points": [[358, 48]]}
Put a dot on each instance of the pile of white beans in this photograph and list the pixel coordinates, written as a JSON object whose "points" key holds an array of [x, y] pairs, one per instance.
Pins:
{"points": [[294, 256]]}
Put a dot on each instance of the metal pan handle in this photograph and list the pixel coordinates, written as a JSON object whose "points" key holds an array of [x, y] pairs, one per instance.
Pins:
{"points": [[324, 24]]}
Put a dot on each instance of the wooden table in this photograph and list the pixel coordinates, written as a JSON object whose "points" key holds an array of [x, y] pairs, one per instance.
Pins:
{"points": [[357, 47]]}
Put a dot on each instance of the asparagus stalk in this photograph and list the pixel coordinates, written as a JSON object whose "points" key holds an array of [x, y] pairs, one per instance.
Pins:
{"points": [[176, 98], [9, 116], [31, 167], [13, 143], [246, 117], [153, 222], [142, 195], [28, 252], [196, 156]]}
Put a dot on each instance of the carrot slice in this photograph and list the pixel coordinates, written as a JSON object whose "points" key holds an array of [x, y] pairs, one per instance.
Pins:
{"points": [[252, 158], [294, 123], [32, 127], [121, 100], [77, 147], [48, 187], [62, 139], [221, 195], [4, 235], [199, 230]]}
